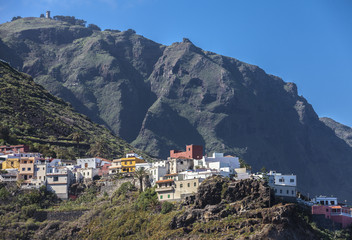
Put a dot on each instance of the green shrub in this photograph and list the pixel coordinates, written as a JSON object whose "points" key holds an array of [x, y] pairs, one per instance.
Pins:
{"points": [[147, 199], [166, 207], [125, 188], [29, 210]]}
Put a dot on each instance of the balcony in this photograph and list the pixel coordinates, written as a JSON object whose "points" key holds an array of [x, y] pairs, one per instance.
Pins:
{"points": [[164, 189]]}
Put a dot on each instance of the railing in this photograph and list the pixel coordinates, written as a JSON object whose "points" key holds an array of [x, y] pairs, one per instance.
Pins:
{"points": [[341, 213]]}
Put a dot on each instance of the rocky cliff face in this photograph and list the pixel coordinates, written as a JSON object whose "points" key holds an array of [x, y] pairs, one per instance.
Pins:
{"points": [[250, 206], [162, 97]]}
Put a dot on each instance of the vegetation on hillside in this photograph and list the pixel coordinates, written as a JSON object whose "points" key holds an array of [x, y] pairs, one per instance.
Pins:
{"points": [[31, 115], [130, 214]]}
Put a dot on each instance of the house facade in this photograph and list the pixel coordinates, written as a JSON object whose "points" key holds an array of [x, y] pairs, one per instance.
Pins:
{"points": [[285, 186], [192, 152]]}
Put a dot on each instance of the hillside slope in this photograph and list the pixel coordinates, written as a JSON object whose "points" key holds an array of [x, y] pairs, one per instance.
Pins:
{"points": [[31, 114], [162, 97]]}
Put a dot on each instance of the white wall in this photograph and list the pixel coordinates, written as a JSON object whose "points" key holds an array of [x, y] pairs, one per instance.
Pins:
{"points": [[88, 162]]}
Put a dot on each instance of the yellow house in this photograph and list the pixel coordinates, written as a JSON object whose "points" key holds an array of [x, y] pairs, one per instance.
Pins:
{"points": [[11, 163], [128, 164]]}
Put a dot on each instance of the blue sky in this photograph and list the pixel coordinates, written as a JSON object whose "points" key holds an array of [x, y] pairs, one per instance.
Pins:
{"points": [[305, 42]]}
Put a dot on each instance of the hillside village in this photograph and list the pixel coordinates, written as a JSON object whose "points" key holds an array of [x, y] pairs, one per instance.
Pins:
{"points": [[174, 179]]}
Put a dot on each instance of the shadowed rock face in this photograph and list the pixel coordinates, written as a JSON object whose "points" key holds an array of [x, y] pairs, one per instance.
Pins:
{"points": [[163, 97]]}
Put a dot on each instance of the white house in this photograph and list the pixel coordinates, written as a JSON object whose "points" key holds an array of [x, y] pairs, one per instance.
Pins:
{"points": [[88, 173], [225, 165], [324, 200], [91, 162], [283, 185]]}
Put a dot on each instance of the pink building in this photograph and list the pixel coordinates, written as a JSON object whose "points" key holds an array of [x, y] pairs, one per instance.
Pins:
{"points": [[104, 169], [339, 214]]}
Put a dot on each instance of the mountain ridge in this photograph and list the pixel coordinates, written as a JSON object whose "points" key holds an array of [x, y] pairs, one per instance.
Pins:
{"points": [[162, 97]]}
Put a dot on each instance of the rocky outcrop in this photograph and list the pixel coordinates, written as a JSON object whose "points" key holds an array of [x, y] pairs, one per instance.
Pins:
{"points": [[241, 210], [218, 197]]}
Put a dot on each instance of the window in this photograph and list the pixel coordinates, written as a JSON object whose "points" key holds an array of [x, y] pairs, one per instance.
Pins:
{"points": [[280, 190], [56, 178], [168, 196], [131, 162], [293, 192], [44, 178], [40, 177], [292, 180], [327, 209], [188, 184], [23, 169], [332, 203], [286, 191], [181, 185], [29, 169], [30, 161], [195, 184], [281, 180], [275, 190], [24, 161], [30, 176], [161, 196]]}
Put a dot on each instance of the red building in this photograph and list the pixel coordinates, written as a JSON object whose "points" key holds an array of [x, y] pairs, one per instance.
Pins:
{"points": [[15, 148], [192, 152]]}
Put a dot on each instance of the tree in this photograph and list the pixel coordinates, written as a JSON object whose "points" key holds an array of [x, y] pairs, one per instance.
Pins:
{"points": [[140, 174], [93, 27], [5, 133], [243, 164], [42, 15], [263, 170], [99, 148]]}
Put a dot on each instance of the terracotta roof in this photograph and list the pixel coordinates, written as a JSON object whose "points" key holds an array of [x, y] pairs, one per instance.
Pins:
{"points": [[228, 156], [336, 207], [165, 181], [171, 174]]}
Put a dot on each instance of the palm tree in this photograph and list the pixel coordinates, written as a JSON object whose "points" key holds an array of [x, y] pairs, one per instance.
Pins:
{"points": [[77, 137], [99, 148], [140, 174]]}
